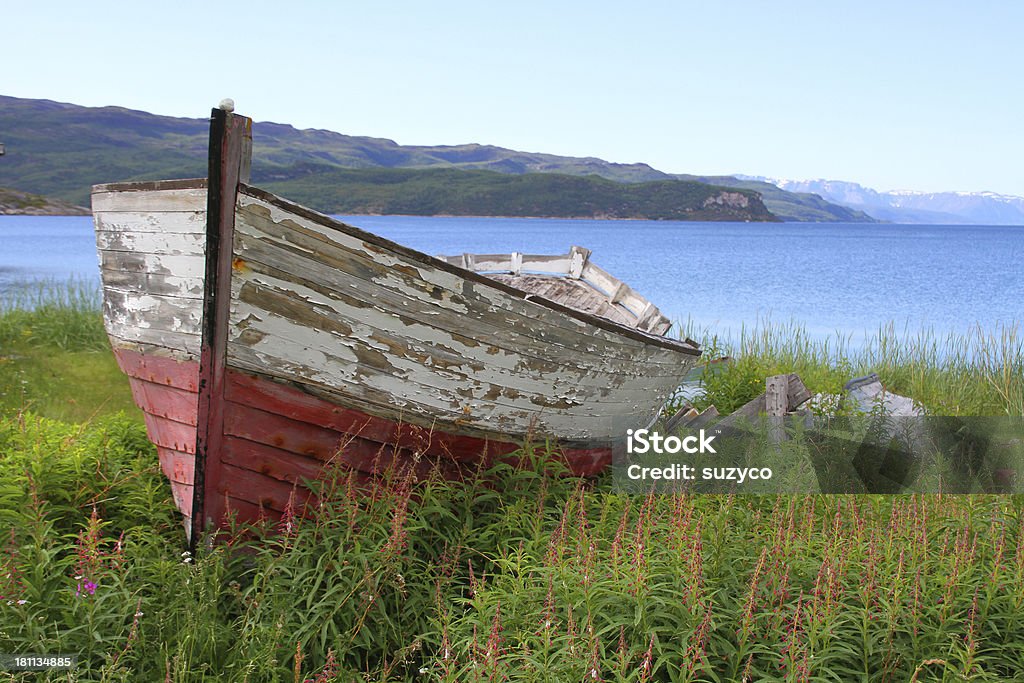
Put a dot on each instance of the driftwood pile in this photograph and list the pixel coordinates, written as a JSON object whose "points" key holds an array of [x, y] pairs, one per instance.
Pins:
{"points": [[787, 396]]}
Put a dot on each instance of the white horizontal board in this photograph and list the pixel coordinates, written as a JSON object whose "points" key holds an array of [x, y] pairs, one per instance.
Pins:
{"points": [[193, 199], [162, 222]]}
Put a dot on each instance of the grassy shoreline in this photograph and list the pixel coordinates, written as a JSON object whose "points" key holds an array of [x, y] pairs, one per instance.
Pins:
{"points": [[518, 576]]}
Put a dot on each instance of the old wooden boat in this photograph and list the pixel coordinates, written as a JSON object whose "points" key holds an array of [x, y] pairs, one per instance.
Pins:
{"points": [[264, 340]]}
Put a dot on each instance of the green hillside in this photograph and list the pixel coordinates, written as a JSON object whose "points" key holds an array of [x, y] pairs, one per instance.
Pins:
{"points": [[60, 150], [481, 193]]}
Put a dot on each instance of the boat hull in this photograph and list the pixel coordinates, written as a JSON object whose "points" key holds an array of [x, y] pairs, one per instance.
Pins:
{"points": [[268, 344], [277, 436]]}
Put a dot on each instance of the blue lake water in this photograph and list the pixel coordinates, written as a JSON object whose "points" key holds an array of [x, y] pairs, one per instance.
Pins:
{"points": [[845, 279]]}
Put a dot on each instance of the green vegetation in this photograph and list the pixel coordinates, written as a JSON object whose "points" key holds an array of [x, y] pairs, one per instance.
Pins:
{"points": [[54, 356], [112, 144], [518, 575], [977, 374], [479, 193]]}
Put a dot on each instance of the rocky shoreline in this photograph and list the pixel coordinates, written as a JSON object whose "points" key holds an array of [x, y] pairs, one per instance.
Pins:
{"points": [[18, 203]]}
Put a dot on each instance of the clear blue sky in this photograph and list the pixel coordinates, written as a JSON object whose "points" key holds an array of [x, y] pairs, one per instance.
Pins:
{"points": [[894, 95]]}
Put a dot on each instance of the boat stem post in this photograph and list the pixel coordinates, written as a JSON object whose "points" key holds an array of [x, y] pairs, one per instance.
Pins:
{"points": [[229, 163]]}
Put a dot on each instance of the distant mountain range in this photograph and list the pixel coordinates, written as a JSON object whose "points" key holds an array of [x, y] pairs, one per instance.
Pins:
{"points": [[60, 150], [903, 206]]}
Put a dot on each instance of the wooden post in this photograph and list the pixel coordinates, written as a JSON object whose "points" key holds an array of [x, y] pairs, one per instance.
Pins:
{"points": [[577, 260], [776, 405], [230, 144]]}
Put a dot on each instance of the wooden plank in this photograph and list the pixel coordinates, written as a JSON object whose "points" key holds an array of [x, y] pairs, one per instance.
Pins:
{"points": [[330, 343], [162, 243], [573, 293], [151, 185], [703, 419], [152, 222], [124, 311], [776, 405], [189, 200], [797, 392], [178, 265], [545, 263], [165, 401], [178, 466], [488, 262], [257, 489], [158, 370], [281, 432], [577, 260], [170, 434], [286, 400], [601, 279], [175, 344], [270, 461], [156, 284]]}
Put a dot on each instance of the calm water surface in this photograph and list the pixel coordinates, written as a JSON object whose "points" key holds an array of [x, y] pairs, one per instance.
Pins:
{"points": [[832, 278]]}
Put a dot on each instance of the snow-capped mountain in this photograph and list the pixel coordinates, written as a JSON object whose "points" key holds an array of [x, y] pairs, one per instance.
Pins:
{"points": [[907, 206]]}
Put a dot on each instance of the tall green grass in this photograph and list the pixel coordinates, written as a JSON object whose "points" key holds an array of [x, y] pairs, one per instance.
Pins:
{"points": [[978, 373], [515, 575], [63, 314], [55, 359]]}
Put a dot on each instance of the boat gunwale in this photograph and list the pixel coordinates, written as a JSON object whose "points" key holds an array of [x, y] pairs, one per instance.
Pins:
{"points": [[683, 346]]}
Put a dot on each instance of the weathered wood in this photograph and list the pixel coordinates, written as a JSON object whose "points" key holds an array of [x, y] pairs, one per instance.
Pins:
{"points": [[355, 351], [690, 419], [705, 418], [180, 265], [176, 221], [445, 275], [577, 260], [340, 273], [330, 347], [796, 393], [189, 199], [170, 244], [170, 434], [150, 185], [172, 343], [177, 466], [776, 405], [287, 400], [228, 148], [573, 293], [166, 401], [423, 288], [153, 284], [151, 366], [126, 310]]}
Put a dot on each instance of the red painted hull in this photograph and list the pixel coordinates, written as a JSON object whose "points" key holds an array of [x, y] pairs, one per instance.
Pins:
{"points": [[275, 436]]}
